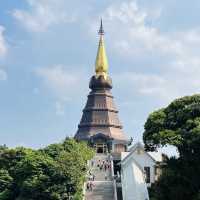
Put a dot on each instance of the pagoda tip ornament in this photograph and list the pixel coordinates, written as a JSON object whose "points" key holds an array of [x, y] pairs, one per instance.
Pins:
{"points": [[101, 64]]}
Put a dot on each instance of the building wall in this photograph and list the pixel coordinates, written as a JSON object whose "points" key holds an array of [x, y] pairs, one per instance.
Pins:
{"points": [[145, 160], [133, 183], [118, 148]]}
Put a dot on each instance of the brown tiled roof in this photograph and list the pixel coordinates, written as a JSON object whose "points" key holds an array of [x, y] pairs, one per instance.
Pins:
{"points": [[100, 114]]}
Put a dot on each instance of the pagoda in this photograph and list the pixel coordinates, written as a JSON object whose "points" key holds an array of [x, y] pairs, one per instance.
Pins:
{"points": [[100, 124]]}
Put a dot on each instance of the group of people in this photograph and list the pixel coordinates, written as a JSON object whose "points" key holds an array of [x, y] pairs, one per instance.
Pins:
{"points": [[91, 176], [101, 165], [90, 185], [104, 165]]}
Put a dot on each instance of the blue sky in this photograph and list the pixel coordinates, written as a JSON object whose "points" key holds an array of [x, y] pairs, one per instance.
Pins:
{"points": [[47, 54]]}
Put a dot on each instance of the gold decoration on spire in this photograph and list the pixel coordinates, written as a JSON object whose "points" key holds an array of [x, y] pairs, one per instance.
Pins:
{"points": [[101, 65]]}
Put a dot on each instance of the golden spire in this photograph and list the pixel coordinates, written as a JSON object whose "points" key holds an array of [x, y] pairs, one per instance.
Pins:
{"points": [[101, 65]]}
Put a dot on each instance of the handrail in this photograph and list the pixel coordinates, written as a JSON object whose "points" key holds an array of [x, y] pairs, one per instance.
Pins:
{"points": [[84, 190], [115, 189], [84, 184], [113, 178]]}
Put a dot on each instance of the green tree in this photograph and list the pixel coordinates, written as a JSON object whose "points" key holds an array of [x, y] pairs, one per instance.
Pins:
{"points": [[6, 183], [52, 173], [179, 125]]}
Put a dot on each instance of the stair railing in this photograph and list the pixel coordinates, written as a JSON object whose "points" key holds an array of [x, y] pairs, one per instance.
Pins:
{"points": [[84, 184], [113, 177]]}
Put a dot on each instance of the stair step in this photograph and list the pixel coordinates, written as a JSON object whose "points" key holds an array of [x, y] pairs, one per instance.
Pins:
{"points": [[103, 189]]}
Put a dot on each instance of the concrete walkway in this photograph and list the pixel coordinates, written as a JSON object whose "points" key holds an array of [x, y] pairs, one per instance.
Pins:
{"points": [[103, 187]]}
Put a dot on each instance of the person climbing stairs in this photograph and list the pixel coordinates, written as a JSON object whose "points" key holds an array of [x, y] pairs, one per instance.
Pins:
{"points": [[102, 184]]}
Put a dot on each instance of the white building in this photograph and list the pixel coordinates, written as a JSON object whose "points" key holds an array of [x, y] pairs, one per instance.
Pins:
{"points": [[133, 180], [148, 161], [139, 169]]}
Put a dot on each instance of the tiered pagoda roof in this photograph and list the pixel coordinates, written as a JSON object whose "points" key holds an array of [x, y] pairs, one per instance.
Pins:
{"points": [[100, 115]]}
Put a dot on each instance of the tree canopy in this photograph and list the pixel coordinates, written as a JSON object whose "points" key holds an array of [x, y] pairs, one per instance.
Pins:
{"points": [[179, 125], [53, 173]]}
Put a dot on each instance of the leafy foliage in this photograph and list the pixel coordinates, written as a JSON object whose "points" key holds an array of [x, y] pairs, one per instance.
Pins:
{"points": [[179, 125], [53, 173]]}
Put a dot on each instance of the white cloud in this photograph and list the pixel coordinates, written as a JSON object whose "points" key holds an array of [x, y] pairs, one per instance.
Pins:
{"points": [[134, 32], [42, 14], [65, 84], [133, 35], [3, 46], [126, 12], [159, 89], [175, 63], [145, 85], [63, 81]]}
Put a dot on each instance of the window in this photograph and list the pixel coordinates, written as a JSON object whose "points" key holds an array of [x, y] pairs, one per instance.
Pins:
{"points": [[147, 174]]}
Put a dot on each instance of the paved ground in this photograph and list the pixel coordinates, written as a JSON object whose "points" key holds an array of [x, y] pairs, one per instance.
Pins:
{"points": [[103, 188]]}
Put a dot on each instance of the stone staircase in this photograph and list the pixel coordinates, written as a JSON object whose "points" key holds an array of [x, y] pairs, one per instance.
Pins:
{"points": [[103, 189]]}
